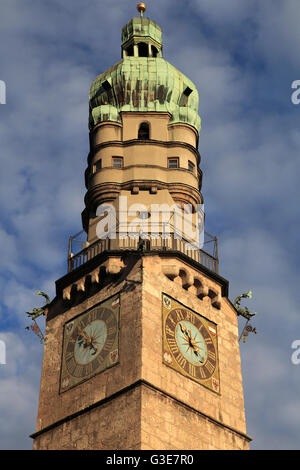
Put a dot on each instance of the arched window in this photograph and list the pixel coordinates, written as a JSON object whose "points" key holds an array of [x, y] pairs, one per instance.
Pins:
{"points": [[154, 51], [130, 51], [143, 49], [185, 96], [144, 131]]}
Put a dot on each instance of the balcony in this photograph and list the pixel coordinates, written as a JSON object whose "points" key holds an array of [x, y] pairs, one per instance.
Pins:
{"points": [[79, 251]]}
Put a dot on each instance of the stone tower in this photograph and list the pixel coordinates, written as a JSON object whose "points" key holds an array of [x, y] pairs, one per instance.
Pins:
{"points": [[141, 344]]}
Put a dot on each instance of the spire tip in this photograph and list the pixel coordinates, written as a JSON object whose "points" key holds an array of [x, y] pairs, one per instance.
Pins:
{"points": [[141, 8]]}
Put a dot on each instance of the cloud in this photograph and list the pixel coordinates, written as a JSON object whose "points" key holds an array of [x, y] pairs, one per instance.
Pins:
{"points": [[19, 385], [242, 57]]}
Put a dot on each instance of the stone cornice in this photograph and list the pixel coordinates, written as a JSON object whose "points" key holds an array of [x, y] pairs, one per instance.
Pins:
{"points": [[127, 143], [111, 186], [146, 384], [86, 268]]}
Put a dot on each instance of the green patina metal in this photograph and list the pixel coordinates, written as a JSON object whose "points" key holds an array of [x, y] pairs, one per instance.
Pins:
{"points": [[35, 313], [141, 28], [244, 312], [143, 84]]}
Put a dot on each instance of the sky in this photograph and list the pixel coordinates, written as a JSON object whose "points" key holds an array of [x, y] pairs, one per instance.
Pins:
{"points": [[243, 57]]}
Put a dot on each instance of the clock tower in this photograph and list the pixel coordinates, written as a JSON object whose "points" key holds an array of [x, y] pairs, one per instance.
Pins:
{"points": [[141, 346]]}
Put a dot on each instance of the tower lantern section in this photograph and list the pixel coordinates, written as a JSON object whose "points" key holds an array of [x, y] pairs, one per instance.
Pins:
{"points": [[144, 128]]}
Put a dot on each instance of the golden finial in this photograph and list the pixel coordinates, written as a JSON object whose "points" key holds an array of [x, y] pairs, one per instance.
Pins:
{"points": [[141, 8]]}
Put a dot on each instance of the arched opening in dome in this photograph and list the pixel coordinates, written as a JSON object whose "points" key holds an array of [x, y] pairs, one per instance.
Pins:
{"points": [[154, 51], [185, 96], [144, 131], [129, 51], [143, 49]]}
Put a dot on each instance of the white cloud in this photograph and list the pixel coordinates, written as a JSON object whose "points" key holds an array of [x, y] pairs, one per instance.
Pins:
{"points": [[224, 13], [242, 56], [19, 385]]}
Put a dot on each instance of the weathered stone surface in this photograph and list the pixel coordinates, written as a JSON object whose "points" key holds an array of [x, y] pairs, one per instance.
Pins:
{"points": [[141, 403]]}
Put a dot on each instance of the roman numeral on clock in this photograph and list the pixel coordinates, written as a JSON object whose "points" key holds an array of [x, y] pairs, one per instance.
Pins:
{"points": [[111, 330], [170, 319], [81, 325], [210, 367], [69, 354], [181, 360], [108, 345], [92, 316], [95, 364], [78, 371], [173, 345], [208, 340], [190, 316], [71, 365], [192, 370], [169, 331], [211, 355], [110, 321], [179, 315], [202, 373]]}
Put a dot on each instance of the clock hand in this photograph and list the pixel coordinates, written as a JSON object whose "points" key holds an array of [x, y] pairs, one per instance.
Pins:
{"points": [[194, 347], [94, 348], [82, 338], [87, 341], [197, 353], [185, 331]]}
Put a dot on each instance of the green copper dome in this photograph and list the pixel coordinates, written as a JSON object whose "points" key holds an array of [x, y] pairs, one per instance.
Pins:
{"points": [[141, 28], [143, 81]]}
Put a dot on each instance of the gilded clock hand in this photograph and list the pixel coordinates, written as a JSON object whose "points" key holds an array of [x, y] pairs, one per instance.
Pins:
{"points": [[197, 353], [185, 331], [82, 339], [94, 348], [87, 341], [192, 343]]}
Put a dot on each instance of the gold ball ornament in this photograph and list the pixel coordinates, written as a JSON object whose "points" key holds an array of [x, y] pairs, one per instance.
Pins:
{"points": [[141, 7]]}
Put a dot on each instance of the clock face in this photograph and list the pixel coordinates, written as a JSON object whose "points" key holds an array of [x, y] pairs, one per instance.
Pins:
{"points": [[90, 343], [190, 344]]}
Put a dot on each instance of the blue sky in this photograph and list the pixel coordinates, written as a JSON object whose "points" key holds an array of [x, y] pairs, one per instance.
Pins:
{"points": [[243, 57]]}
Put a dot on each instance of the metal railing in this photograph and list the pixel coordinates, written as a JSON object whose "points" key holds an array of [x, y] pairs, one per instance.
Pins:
{"points": [[156, 242]]}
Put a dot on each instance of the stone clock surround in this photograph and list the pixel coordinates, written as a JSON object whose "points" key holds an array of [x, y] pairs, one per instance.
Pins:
{"points": [[141, 393]]}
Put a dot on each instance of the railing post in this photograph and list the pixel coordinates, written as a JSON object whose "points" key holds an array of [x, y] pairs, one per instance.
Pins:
{"points": [[217, 250], [217, 256], [69, 254]]}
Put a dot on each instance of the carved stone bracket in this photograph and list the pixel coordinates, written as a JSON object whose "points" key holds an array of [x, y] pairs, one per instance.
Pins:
{"points": [[112, 266], [192, 283]]}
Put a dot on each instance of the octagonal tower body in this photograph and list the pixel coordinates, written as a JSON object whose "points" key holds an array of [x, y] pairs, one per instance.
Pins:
{"points": [[144, 127]]}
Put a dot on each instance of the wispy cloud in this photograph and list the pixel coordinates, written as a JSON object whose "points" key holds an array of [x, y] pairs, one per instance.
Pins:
{"points": [[242, 57]]}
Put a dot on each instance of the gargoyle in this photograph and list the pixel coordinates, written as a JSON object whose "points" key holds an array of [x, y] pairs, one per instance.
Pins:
{"points": [[244, 312], [36, 312]]}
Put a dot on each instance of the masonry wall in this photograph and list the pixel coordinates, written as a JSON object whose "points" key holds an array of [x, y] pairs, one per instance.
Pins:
{"points": [[226, 407], [53, 405], [142, 403], [170, 425], [105, 427]]}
